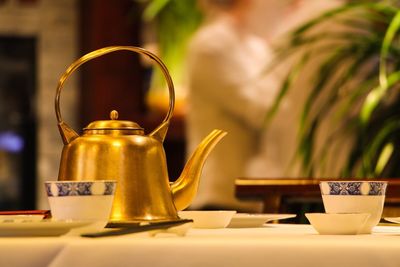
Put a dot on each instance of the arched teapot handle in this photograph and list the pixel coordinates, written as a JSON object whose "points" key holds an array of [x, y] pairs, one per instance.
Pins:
{"points": [[66, 131]]}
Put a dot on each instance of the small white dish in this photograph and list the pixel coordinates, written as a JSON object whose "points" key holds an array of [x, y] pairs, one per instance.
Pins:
{"points": [[21, 218], [249, 220], [392, 219], [208, 218], [338, 223], [39, 228]]}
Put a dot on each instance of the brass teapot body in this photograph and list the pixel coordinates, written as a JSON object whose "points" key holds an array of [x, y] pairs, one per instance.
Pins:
{"points": [[120, 150]]}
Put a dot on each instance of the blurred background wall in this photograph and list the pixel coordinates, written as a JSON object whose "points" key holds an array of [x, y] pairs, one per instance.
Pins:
{"points": [[38, 39]]}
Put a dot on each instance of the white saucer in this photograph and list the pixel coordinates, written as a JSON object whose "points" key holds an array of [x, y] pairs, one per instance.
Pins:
{"points": [[39, 228], [393, 219], [208, 218], [249, 220], [338, 223], [21, 218]]}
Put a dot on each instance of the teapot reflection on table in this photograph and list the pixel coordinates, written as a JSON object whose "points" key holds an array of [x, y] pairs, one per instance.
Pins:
{"points": [[120, 150]]}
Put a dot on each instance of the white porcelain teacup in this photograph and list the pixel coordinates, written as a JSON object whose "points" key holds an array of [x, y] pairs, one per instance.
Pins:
{"points": [[81, 200], [355, 197]]}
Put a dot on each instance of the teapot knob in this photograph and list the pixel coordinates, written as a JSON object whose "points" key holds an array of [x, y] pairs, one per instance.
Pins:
{"points": [[114, 115]]}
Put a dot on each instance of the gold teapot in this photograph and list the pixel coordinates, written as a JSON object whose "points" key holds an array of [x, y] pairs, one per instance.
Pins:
{"points": [[120, 150]]}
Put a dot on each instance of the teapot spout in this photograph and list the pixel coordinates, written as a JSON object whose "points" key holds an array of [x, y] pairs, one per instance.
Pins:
{"points": [[185, 187]]}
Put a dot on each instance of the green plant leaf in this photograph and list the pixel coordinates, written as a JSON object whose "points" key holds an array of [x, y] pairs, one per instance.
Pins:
{"points": [[287, 84], [154, 8], [386, 45], [375, 96], [378, 7], [384, 157], [365, 47], [377, 142], [329, 103]]}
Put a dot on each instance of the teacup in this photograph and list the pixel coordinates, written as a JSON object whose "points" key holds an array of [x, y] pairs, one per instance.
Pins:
{"points": [[355, 197], [81, 200]]}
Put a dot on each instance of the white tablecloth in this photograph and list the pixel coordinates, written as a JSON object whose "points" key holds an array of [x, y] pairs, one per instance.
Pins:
{"points": [[273, 245]]}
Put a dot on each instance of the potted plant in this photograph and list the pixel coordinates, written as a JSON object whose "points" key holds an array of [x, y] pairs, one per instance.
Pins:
{"points": [[354, 86], [170, 23]]}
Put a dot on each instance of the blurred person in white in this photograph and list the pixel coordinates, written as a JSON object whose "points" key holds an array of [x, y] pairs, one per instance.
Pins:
{"points": [[228, 90], [279, 139], [225, 61]]}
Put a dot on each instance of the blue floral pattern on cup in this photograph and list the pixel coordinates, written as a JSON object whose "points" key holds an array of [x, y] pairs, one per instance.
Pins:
{"points": [[48, 190], [344, 188], [74, 189], [373, 188], [377, 188], [110, 188], [77, 189]]}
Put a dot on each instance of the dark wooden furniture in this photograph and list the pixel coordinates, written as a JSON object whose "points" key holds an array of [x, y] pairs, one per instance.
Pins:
{"points": [[276, 192], [118, 80]]}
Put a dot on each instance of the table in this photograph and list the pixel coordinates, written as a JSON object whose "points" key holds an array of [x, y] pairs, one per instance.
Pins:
{"points": [[272, 245], [273, 191]]}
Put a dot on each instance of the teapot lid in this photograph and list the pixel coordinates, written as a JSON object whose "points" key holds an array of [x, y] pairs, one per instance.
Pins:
{"points": [[115, 124]]}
